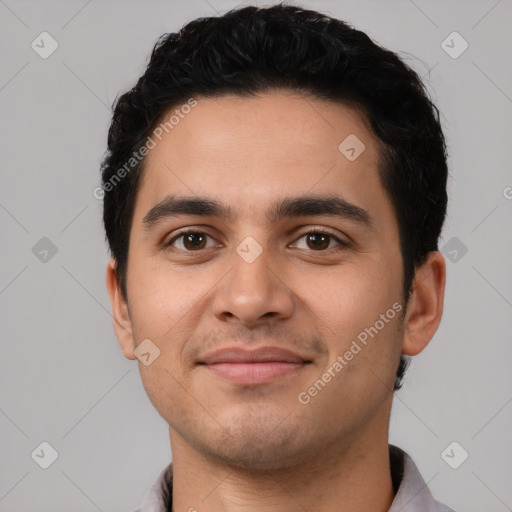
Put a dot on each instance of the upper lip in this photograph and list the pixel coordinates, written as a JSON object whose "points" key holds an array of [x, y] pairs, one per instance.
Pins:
{"points": [[263, 354]]}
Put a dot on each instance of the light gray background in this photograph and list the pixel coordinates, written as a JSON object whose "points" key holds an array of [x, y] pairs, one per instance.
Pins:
{"points": [[63, 378]]}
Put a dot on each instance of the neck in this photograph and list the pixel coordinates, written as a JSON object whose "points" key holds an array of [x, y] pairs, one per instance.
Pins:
{"points": [[353, 475]]}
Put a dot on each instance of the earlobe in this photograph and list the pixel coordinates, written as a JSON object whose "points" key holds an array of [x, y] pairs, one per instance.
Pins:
{"points": [[425, 305], [120, 313]]}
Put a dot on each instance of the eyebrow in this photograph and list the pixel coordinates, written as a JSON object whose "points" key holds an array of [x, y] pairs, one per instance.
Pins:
{"points": [[288, 207]]}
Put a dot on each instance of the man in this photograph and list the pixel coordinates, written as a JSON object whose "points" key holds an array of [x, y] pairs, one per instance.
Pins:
{"points": [[274, 190]]}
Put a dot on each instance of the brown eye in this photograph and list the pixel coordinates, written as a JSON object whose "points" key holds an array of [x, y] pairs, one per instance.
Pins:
{"points": [[194, 240], [319, 241], [190, 240]]}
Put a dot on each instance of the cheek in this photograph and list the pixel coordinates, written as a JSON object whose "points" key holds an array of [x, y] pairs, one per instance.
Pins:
{"points": [[350, 297], [168, 306], [161, 297], [347, 306]]}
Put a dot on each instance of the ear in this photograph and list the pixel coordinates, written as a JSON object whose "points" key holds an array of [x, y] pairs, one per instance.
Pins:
{"points": [[121, 315], [425, 305]]}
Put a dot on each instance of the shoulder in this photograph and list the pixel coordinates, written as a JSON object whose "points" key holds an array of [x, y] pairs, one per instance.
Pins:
{"points": [[441, 507], [413, 492]]}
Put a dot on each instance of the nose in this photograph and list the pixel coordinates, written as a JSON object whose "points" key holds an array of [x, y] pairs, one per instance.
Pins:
{"points": [[253, 292]]}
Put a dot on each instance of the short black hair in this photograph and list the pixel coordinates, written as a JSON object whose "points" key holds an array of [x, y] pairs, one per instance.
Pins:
{"points": [[254, 50]]}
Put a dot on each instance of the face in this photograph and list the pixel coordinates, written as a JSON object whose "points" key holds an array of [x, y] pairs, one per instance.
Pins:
{"points": [[307, 261]]}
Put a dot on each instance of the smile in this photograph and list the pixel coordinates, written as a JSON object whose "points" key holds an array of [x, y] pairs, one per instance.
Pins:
{"points": [[254, 373]]}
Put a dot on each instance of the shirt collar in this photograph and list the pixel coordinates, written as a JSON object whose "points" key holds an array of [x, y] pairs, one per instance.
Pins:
{"points": [[413, 493]]}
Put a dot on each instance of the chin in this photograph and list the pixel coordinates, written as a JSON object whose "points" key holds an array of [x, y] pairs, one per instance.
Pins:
{"points": [[256, 444]]}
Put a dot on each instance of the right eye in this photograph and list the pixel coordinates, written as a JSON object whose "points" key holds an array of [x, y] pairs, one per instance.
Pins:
{"points": [[191, 241]]}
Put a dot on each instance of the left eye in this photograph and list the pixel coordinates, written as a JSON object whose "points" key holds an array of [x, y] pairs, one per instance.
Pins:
{"points": [[320, 240]]}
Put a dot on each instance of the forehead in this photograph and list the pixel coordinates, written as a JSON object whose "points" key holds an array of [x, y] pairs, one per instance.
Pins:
{"points": [[249, 152]]}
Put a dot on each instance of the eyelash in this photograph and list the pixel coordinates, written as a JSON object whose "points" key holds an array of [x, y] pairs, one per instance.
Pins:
{"points": [[342, 245]]}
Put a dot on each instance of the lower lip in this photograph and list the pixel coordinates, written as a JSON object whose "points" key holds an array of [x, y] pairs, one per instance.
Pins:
{"points": [[254, 373]]}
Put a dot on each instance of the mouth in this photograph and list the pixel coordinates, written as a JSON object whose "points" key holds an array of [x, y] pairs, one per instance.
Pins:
{"points": [[260, 366]]}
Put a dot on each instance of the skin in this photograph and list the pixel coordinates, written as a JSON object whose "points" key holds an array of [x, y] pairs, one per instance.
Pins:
{"points": [[257, 447]]}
